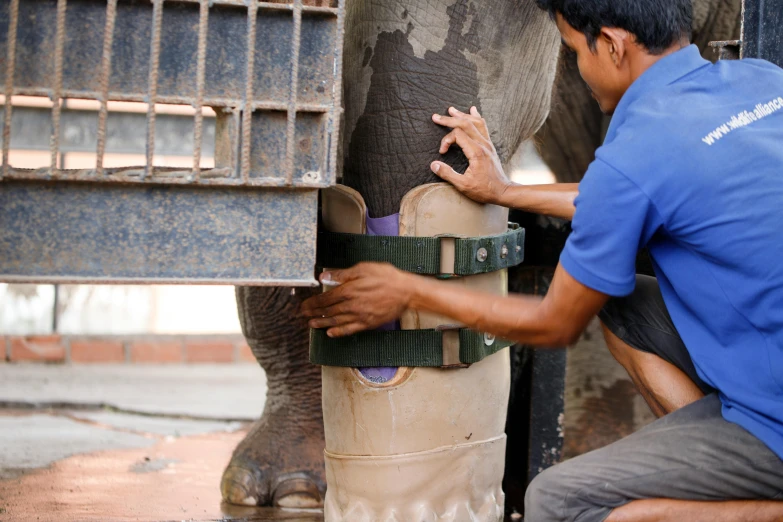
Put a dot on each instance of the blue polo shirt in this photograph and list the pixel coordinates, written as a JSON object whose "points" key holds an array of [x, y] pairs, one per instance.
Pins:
{"points": [[692, 168]]}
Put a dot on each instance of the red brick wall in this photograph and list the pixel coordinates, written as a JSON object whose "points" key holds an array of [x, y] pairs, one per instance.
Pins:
{"points": [[141, 349]]}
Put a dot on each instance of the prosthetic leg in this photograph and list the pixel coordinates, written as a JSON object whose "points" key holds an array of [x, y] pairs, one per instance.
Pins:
{"points": [[428, 444]]}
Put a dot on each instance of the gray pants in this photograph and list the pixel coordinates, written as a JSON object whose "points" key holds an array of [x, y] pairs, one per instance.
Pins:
{"points": [[690, 454]]}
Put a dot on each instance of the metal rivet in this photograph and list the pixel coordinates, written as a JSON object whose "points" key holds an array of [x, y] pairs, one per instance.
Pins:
{"points": [[503, 252], [489, 339], [312, 176], [518, 249], [481, 255]]}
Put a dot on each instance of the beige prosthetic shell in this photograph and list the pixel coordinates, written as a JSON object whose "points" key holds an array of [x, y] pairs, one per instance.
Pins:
{"points": [[429, 445]]}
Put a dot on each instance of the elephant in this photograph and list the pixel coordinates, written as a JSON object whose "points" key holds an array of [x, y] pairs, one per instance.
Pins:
{"points": [[403, 61]]}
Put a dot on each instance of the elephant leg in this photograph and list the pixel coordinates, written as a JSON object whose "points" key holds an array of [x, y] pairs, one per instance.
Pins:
{"points": [[280, 461]]}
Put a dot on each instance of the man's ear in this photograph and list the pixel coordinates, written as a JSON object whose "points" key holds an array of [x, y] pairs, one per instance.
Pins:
{"points": [[616, 41]]}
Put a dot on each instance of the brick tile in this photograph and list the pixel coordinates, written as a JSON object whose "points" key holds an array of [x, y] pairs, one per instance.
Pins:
{"points": [[3, 345], [156, 352], [38, 348], [245, 353], [209, 351], [97, 351]]}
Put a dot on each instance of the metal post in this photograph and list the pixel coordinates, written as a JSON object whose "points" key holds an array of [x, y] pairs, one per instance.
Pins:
{"points": [[247, 106], [152, 89], [762, 30], [198, 121], [10, 63], [103, 114], [56, 95], [290, 147]]}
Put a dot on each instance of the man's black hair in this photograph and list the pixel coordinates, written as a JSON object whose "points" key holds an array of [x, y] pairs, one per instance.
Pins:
{"points": [[657, 24]]}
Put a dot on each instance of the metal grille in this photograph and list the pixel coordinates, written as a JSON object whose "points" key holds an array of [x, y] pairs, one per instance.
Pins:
{"points": [[271, 71]]}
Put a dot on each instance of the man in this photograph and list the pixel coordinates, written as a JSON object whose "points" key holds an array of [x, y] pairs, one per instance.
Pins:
{"points": [[692, 169]]}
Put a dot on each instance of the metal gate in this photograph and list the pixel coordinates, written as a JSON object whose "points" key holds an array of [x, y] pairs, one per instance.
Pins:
{"points": [[270, 71]]}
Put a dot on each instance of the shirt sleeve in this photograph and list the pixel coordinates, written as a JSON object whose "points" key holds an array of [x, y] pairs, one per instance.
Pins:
{"points": [[614, 218]]}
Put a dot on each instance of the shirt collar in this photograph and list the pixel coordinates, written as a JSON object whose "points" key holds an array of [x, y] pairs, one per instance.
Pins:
{"points": [[665, 71]]}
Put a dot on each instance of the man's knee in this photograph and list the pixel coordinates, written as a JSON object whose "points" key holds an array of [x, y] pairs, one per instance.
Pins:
{"points": [[544, 500], [617, 347], [563, 493]]}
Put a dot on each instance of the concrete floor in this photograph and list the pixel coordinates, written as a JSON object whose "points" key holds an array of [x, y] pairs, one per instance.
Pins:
{"points": [[125, 442]]}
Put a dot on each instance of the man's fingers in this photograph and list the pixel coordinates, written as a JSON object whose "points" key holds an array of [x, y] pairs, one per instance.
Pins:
{"points": [[469, 147], [336, 276], [480, 123], [447, 141], [347, 329], [475, 118], [458, 123], [473, 124], [316, 305], [445, 172], [336, 320]]}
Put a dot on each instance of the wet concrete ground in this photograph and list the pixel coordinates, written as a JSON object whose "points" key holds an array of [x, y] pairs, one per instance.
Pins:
{"points": [[126, 442], [172, 478], [155, 451]]}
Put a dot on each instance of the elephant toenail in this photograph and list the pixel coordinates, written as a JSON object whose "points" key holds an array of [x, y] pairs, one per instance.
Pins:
{"points": [[240, 486], [297, 491]]}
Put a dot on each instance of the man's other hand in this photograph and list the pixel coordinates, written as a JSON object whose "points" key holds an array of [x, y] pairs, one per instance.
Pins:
{"points": [[484, 180], [365, 297]]}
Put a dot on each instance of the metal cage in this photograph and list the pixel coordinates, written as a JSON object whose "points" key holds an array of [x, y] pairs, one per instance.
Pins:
{"points": [[271, 71]]}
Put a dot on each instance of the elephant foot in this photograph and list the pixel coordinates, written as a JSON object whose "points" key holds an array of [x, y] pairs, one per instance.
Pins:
{"points": [[280, 462], [271, 469]]}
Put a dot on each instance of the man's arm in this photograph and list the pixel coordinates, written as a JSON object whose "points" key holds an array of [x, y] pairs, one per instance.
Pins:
{"points": [[484, 180], [556, 199], [372, 294]]}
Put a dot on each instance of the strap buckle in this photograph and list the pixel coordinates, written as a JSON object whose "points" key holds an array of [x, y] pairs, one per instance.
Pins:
{"points": [[448, 260], [450, 345]]}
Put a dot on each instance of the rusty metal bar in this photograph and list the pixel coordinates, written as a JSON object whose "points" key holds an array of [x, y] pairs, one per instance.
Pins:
{"points": [[247, 111], [727, 49], [13, 21], [219, 176], [161, 175], [56, 94], [203, 20], [152, 90], [334, 113], [270, 6], [170, 99], [44, 238], [108, 37], [290, 145], [182, 280]]}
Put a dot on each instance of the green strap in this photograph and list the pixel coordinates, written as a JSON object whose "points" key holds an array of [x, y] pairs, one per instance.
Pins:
{"points": [[398, 348], [421, 255]]}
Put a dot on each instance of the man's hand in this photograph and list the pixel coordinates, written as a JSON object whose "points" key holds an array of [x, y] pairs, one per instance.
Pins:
{"points": [[484, 181], [366, 296]]}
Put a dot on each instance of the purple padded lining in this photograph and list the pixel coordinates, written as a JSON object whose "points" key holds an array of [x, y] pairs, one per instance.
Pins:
{"points": [[383, 226]]}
